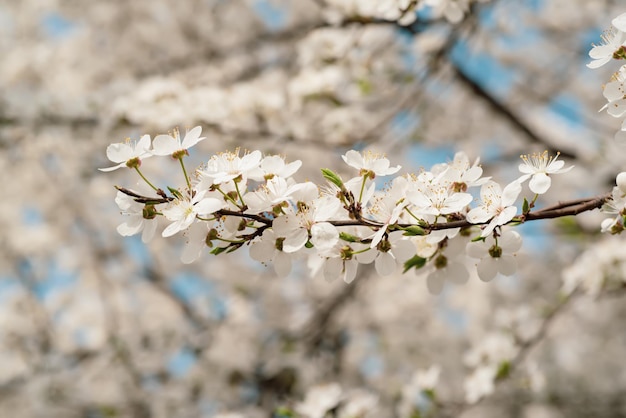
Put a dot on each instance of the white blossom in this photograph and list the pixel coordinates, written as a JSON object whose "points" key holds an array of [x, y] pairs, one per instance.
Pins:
{"points": [[170, 144], [124, 153], [183, 212], [496, 257], [612, 41], [369, 163], [136, 222], [539, 167], [497, 205], [227, 166]]}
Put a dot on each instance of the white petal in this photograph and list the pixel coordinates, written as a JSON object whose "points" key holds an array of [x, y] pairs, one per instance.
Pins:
{"points": [[282, 264], [119, 152], [367, 256], [620, 180], [477, 249], [350, 269], [403, 249], [479, 215], [208, 205], [115, 167], [149, 229], [165, 145], [295, 240], [333, 268], [192, 137], [130, 227], [510, 241], [282, 225], [263, 250], [507, 265], [620, 22], [171, 229], [435, 282], [324, 236], [487, 269], [510, 193], [540, 183], [385, 264], [353, 159], [505, 215]]}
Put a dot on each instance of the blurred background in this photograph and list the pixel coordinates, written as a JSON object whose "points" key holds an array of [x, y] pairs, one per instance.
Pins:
{"points": [[93, 324]]}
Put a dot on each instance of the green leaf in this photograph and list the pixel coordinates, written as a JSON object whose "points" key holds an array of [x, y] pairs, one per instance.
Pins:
{"points": [[283, 412], [333, 178], [309, 244], [416, 262], [218, 250], [349, 238], [478, 238], [175, 192], [525, 206], [503, 370], [414, 230]]}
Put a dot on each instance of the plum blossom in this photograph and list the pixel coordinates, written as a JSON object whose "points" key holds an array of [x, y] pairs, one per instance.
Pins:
{"points": [[497, 205], [539, 167], [228, 166], [128, 154], [612, 42], [183, 212], [370, 164], [388, 253], [269, 248], [274, 166], [448, 266], [171, 144], [614, 92], [310, 219], [136, 222], [496, 256], [616, 205], [387, 207], [276, 191]]}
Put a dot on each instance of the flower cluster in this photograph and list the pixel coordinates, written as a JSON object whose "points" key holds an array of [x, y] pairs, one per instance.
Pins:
{"points": [[616, 205], [613, 46], [419, 219]]}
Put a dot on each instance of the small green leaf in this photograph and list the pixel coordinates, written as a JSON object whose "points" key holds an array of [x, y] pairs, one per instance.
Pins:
{"points": [[349, 238], [503, 370], [218, 250], [414, 230], [525, 206], [309, 244], [416, 262], [333, 178], [175, 192], [478, 238]]}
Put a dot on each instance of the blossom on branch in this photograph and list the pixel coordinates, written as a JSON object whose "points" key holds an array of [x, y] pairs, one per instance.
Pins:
{"points": [[496, 255], [174, 144], [497, 205], [538, 167], [128, 154]]}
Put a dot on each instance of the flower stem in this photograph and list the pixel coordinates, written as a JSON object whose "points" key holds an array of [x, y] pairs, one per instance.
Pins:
{"points": [[362, 188], [185, 173], [145, 179], [243, 204]]}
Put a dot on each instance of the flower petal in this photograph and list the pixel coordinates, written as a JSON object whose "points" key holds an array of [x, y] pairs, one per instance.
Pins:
{"points": [[540, 183], [385, 264]]}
